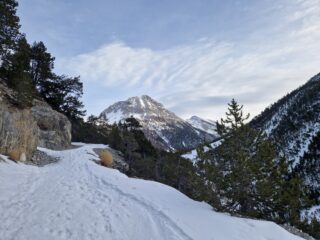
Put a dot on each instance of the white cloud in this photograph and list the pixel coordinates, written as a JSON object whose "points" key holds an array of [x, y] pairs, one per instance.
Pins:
{"points": [[200, 78]]}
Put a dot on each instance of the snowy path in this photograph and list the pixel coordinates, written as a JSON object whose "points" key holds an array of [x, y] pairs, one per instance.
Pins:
{"points": [[78, 199]]}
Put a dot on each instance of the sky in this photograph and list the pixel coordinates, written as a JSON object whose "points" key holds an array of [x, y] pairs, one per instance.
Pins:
{"points": [[193, 56]]}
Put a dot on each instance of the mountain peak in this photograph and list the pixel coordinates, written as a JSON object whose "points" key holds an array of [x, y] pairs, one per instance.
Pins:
{"points": [[162, 127], [143, 102]]}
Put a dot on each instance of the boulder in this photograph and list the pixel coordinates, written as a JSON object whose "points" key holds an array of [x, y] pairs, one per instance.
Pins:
{"points": [[54, 129]]}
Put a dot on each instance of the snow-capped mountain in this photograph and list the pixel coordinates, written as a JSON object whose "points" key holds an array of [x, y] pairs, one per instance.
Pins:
{"points": [[162, 127], [294, 123], [205, 125]]}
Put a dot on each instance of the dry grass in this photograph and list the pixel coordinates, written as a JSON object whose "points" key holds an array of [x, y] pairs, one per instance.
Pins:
{"points": [[106, 158], [14, 155]]}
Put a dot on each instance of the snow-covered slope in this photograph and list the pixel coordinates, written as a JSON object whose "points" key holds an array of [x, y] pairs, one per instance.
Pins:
{"points": [[208, 126], [163, 128], [294, 120], [193, 155], [78, 199], [294, 123]]}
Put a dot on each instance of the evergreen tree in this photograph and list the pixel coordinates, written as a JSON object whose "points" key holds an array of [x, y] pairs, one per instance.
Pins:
{"points": [[234, 119], [42, 64], [9, 28], [63, 94], [309, 167], [131, 149], [115, 138], [93, 119], [244, 171], [315, 228], [16, 73]]}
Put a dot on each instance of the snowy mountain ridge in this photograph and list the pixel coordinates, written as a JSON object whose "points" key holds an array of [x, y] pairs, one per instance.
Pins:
{"points": [[205, 125], [294, 119], [162, 127], [294, 123], [77, 199]]}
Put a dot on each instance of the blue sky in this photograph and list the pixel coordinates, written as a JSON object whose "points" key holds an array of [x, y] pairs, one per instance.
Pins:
{"points": [[191, 55]]}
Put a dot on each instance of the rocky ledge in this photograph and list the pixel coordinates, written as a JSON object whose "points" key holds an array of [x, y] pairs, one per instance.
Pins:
{"points": [[22, 130]]}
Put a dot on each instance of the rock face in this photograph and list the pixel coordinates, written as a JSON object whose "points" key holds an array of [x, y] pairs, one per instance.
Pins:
{"points": [[162, 127], [54, 129], [18, 133], [18, 129], [22, 130]]}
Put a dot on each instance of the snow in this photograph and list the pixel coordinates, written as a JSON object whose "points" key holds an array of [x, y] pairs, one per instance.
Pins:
{"points": [[79, 199], [304, 136], [310, 213], [119, 116], [141, 102], [274, 122], [193, 155], [205, 125], [114, 117]]}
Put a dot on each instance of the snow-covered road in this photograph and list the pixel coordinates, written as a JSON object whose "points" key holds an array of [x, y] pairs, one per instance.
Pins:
{"points": [[78, 199]]}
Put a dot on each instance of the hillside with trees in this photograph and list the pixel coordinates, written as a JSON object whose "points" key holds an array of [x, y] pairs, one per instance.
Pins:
{"points": [[245, 175], [28, 69]]}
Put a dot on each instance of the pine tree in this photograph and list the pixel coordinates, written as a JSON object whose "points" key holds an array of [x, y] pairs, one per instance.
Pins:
{"points": [[42, 64], [131, 147], [27, 69], [63, 94], [234, 119], [116, 141], [244, 172], [132, 124], [16, 73], [315, 227], [9, 28]]}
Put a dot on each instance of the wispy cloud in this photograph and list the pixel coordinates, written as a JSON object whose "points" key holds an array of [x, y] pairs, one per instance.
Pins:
{"points": [[200, 78]]}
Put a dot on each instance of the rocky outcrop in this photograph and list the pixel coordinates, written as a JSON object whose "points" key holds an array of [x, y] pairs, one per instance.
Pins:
{"points": [[22, 130], [18, 129], [54, 129], [18, 132]]}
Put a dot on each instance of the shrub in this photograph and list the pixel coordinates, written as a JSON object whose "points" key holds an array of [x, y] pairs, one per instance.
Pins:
{"points": [[106, 158], [14, 155]]}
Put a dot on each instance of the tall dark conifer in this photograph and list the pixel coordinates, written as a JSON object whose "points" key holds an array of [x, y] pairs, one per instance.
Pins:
{"points": [[17, 73], [9, 28], [42, 64]]}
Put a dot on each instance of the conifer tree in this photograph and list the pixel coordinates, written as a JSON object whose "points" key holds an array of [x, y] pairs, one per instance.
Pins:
{"points": [[16, 73], [42, 64], [9, 28], [234, 119], [131, 147], [244, 171], [63, 94], [115, 138]]}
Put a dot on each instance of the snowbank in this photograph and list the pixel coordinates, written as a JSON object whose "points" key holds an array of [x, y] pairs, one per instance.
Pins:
{"points": [[78, 199]]}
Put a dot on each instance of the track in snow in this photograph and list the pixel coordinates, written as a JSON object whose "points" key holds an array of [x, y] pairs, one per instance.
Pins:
{"points": [[78, 199]]}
